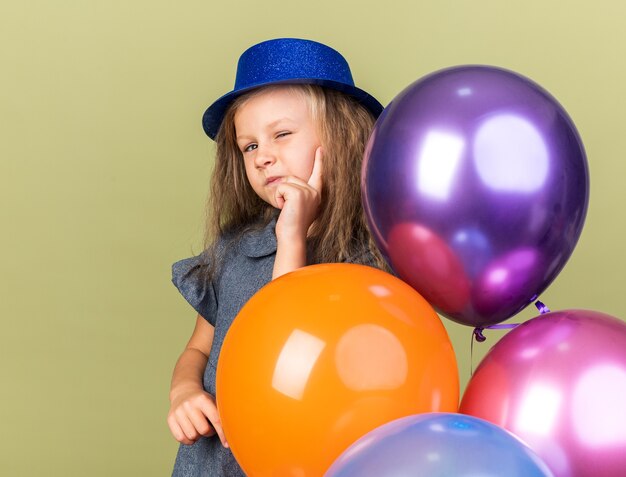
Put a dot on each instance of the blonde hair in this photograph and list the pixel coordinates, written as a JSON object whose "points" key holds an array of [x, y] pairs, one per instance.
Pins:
{"points": [[340, 230]]}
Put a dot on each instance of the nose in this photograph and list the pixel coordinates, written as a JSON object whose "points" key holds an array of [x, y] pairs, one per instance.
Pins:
{"points": [[265, 156]]}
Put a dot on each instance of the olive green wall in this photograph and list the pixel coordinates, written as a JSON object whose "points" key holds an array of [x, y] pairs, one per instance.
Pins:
{"points": [[104, 169]]}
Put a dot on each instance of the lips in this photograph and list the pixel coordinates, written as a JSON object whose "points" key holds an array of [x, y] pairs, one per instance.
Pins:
{"points": [[273, 180]]}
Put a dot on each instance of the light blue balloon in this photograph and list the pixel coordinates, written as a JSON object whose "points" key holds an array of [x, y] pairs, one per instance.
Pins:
{"points": [[439, 445]]}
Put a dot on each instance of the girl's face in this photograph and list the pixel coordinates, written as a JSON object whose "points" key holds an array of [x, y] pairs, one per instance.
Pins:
{"points": [[277, 137]]}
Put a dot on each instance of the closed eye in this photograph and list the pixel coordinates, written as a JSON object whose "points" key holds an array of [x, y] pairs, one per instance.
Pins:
{"points": [[282, 134]]}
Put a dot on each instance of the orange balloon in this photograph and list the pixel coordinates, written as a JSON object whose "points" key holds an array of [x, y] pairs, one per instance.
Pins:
{"points": [[323, 355]]}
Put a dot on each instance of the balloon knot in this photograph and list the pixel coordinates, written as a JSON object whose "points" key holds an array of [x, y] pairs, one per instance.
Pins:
{"points": [[542, 308], [478, 335]]}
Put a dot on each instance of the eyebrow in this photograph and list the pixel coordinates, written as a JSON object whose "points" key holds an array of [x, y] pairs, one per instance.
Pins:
{"points": [[269, 126]]}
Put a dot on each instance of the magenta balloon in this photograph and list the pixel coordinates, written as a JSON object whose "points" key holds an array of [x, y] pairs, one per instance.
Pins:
{"points": [[490, 164], [558, 382]]}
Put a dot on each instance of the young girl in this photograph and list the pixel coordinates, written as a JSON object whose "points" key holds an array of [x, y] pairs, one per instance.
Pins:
{"points": [[285, 193]]}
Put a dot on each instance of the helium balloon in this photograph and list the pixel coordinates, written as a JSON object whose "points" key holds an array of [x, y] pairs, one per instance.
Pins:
{"points": [[558, 382], [323, 355], [492, 167], [439, 444], [492, 295], [426, 261]]}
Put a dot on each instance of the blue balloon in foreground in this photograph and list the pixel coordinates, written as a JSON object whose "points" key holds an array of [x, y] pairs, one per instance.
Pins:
{"points": [[439, 445], [475, 184]]}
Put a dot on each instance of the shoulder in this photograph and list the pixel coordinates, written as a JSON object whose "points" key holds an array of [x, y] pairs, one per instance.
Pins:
{"points": [[190, 277], [258, 240], [194, 267]]}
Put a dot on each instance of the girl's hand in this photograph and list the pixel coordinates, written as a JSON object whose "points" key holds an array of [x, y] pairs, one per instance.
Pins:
{"points": [[299, 202], [193, 414]]}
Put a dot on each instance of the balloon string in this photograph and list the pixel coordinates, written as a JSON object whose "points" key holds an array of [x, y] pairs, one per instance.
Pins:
{"points": [[478, 335], [472, 352]]}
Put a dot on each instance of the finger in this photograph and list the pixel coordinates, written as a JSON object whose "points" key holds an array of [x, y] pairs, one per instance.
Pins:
{"points": [[315, 180], [279, 198], [187, 427], [176, 431], [210, 411], [201, 423], [286, 188]]}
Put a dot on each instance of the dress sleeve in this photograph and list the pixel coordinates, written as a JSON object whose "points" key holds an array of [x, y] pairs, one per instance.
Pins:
{"points": [[189, 277]]}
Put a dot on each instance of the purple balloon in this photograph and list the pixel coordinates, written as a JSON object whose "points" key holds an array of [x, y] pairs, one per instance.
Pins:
{"points": [[492, 166], [558, 382], [439, 444]]}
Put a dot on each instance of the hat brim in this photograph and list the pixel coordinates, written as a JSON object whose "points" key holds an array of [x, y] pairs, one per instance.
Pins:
{"points": [[213, 116]]}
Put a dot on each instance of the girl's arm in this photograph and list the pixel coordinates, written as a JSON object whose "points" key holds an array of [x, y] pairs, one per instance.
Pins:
{"points": [[290, 255], [193, 412], [299, 204]]}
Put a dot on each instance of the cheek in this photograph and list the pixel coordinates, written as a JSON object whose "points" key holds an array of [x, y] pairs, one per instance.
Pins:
{"points": [[252, 175], [305, 161], [249, 168]]}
